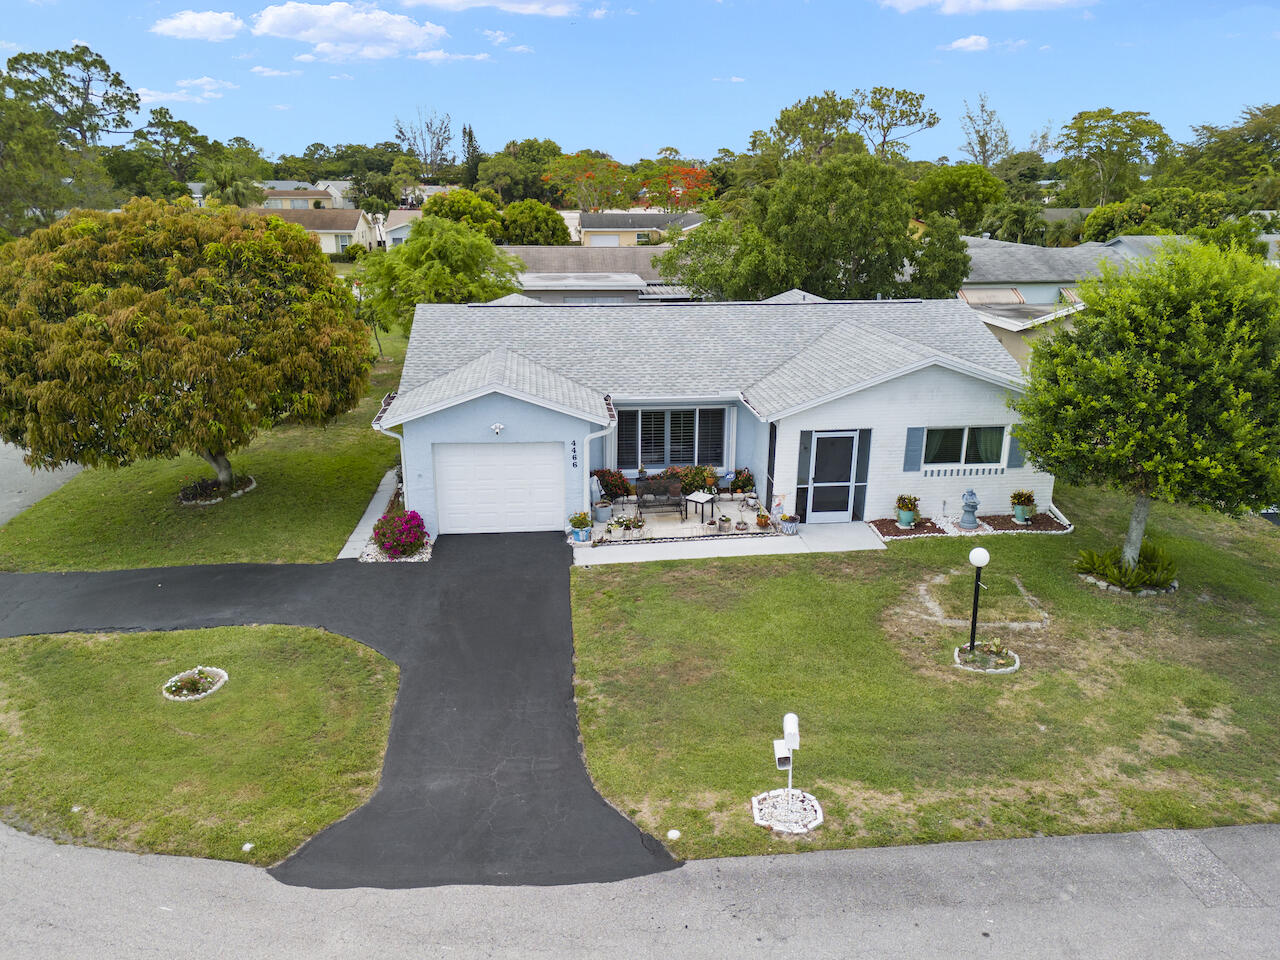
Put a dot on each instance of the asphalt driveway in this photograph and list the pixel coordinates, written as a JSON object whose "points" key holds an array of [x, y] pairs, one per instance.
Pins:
{"points": [[483, 780]]}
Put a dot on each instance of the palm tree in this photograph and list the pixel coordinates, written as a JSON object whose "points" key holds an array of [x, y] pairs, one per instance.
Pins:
{"points": [[227, 183]]}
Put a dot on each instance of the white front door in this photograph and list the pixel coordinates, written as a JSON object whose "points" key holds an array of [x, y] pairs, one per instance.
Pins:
{"points": [[499, 487], [831, 469]]}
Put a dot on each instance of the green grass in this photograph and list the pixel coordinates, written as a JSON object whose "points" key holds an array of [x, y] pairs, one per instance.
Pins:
{"points": [[1128, 713], [313, 485], [91, 752]]}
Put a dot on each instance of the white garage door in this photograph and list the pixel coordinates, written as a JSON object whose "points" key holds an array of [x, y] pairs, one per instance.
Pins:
{"points": [[499, 487], [602, 239]]}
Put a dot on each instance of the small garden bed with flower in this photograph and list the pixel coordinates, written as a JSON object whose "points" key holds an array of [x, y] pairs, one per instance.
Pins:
{"points": [[194, 684], [987, 656], [399, 536]]}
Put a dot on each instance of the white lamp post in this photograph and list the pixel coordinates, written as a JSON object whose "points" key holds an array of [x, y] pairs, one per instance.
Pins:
{"points": [[979, 558]]}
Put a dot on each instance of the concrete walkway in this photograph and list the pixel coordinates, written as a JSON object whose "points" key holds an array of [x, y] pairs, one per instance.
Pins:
{"points": [[1202, 895], [812, 538], [20, 487], [359, 538], [483, 780]]}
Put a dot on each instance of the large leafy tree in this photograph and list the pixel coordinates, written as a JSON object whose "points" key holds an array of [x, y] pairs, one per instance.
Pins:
{"points": [[162, 328], [888, 117], [467, 208], [840, 230], [986, 141], [33, 165], [77, 86], [160, 158], [1163, 210], [440, 262], [1108, 151], [1167, 388], [817, 127], [589, 182], [966, 192], [532, 221]]}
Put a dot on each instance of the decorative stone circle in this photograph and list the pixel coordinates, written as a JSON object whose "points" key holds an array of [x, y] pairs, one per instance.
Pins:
{"points": [[253, 483], [787, 811], [964, 666], [1112, 588], [219, 675]]}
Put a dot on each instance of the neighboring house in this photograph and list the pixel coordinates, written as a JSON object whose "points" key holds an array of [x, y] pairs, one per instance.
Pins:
{"points": [[1023, 290], [631, 229], [575, 275], [836, 407], [298, 200], [338, 191], [397, 225], [197, 192], [284, 185], [335, 230]]}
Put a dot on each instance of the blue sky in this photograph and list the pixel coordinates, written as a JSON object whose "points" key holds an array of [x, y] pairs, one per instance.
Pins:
{"points": [[631, 76]]}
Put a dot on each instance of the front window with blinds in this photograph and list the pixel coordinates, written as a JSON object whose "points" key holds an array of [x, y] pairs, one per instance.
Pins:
{"points": [[671, 438], [963, 445]]}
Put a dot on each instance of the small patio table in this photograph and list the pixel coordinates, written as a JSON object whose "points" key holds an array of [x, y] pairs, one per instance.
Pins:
{"points": [[702, 498]]}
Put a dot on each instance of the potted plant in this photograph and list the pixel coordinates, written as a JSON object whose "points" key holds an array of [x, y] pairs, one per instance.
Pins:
{"points": [[762, 520], [725, 524], [581, 524], [790, 524], [1024, 505], [740, 526], [743, 482], [908, 509], [604, 510]]}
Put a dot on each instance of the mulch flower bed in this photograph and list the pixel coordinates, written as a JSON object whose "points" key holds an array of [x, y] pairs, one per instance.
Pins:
{"points": [[1040, 521], [208, 491], [923, 528]]}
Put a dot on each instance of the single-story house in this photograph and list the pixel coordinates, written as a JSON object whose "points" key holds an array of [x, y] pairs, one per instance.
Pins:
{"points": [[335, 230], [298, 200], [576, 275], [632, 229], [836, 407], [337, 190], [397, 225]]}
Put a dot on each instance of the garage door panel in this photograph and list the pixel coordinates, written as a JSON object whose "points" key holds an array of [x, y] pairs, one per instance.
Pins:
{"points": [[499, 487]]}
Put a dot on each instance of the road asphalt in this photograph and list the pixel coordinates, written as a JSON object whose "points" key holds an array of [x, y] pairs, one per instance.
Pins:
{"points": [[1200, 895], [20, 487]]}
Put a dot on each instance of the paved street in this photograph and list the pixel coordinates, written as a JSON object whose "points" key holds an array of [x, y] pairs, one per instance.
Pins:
{"points": [[1165, 896], [19, 487]]}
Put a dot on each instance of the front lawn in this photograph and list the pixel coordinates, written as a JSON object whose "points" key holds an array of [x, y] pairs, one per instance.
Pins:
{"points": [[91, 752], [1128, 713], [313, 485]]}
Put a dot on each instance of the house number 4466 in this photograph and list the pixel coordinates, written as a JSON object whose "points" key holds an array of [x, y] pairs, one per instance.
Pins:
{"points": [[573, 453]]}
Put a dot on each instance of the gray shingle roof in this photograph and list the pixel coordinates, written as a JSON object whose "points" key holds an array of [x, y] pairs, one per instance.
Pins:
{"points": [[794, 295], [780, 356], [574, 259], [637, 221], [499, 369], [996, 261]]}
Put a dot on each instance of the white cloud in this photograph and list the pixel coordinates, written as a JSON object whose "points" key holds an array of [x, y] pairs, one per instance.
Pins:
{"points": [[497, 37], [209, 85], [528, 7], [6, 45], [521, 48], [728, 79], [439, 56], [981, 6], [599, 13], [195, 90], [282, 106], [346, 31], [199, 25], [971, 44], [1011, 44], [273, 72], [341, 76], [1045, 47]]}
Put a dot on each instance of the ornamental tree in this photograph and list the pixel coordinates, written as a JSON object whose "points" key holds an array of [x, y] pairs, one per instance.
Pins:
{"points": [[590, 182], [675, 187], [162, 328], [468, 208], [440, 262], [966, 192], [535, 222], [1167, 388]]}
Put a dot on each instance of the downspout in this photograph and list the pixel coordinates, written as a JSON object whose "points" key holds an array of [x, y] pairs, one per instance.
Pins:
{"points": [[586, 452], [377, 425]]}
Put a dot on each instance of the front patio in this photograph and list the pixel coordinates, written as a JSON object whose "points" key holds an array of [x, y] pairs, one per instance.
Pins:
{"points": [[666, 535]]}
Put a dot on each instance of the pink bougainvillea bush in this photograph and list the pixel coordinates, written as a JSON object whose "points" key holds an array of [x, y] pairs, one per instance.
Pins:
{"points": [[399, 533]]}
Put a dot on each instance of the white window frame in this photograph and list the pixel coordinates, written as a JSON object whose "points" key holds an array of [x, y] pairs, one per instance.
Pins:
{"points": [[343, 241], [964, 446], [728, 450]]}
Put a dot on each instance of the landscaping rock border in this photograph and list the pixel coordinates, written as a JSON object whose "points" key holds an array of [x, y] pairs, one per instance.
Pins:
{"points": [[1112, 588], [993, 670], [787, 811], [253, 483], [949, 527], [216, 671]]}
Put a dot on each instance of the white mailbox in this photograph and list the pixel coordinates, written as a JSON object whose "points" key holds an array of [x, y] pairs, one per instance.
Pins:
{"points": [[782, 754], [791, 730]]}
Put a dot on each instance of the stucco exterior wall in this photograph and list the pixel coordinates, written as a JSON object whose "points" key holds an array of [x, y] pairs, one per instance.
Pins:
{"points": [[470, 423], [933, 397], [626, 238]]}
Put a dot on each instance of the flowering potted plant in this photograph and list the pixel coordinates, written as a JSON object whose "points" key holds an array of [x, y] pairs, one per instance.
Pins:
{"points": [[790, 524], [762, 519], [1024, 505], [908, 509], [581, 523], [743, 482], [725, 524]]}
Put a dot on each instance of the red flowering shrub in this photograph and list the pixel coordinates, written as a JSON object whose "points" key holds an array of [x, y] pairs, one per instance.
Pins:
{"points": [[742, 481], [613, 483], [400, 534]]}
